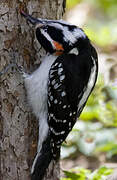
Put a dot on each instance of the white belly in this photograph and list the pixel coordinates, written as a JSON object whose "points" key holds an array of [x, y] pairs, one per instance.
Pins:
{"points": [[36, 85]]}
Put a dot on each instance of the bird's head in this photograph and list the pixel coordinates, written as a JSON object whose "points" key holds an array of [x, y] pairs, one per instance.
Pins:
{"points": [[56, 36]]}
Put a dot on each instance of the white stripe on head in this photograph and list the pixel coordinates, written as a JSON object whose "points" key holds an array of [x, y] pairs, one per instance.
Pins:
{"points": [[45, 34], [78, 33], [57, 25], [68, 35]]}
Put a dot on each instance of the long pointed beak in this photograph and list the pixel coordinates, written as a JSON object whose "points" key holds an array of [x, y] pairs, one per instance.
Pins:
{"points": [[31, 19]]}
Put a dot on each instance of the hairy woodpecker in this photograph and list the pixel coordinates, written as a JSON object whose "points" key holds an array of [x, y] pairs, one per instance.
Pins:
{"points": [[58, 90]]}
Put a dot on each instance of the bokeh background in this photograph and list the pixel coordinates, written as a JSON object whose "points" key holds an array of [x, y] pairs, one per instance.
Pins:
{"points": [[91, 147]]}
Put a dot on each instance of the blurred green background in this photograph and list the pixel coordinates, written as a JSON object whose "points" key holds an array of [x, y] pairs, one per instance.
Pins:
{"points": [[92, 144]]}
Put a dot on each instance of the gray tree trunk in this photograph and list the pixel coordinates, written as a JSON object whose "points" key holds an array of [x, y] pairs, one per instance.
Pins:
{"points": [[18, 126]]}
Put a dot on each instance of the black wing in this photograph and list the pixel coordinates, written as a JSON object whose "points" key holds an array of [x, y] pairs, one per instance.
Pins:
{"points": [[68, 78]]}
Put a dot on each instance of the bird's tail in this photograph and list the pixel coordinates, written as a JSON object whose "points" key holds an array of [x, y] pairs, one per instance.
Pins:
{"points": [[42, 161]]}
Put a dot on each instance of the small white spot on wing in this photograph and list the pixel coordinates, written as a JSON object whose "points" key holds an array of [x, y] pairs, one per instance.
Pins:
{"points": [[53, 82], [70, 125], [60, 70], [63, 94], [56, 64], [61, 140], [62, 132], [56, 86], [62, 77], [60, 65], [64, 106], [60, 102], [51, 98], [49, 118], [51, 76], [55, 101], [52, 144], [52, 71], [58, 142], [51, 115]]}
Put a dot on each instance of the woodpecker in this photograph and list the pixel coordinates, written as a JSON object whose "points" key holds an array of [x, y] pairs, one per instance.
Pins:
{"points": [[59, 89]]}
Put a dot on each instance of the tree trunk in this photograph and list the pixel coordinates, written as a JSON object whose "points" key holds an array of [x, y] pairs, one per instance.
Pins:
{"points": [[18, 126]]}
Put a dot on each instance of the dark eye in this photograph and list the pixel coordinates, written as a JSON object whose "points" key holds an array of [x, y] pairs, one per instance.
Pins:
{"points": [[45, 28]]}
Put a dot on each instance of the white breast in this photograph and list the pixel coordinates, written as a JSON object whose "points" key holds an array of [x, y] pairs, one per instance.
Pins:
{"points": [[36, 85]]}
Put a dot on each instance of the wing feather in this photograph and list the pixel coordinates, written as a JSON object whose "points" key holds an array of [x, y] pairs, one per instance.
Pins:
{"points": [[66, 86]]}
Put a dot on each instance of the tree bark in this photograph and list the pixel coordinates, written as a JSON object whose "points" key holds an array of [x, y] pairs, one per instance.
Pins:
{"points": [[18, 126]]}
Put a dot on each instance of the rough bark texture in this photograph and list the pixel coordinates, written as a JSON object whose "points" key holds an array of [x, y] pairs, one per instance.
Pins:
{"points": [[18, 126]]}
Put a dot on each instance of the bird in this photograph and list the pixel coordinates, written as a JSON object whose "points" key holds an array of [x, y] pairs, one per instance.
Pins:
{"points": [[59, 88]]}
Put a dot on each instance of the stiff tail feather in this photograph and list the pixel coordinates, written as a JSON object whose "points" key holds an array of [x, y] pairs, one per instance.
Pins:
{"points": [[43, 161]]}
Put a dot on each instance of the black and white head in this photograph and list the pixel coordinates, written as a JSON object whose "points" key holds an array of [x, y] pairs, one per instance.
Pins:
{"points": [[57, 36]]}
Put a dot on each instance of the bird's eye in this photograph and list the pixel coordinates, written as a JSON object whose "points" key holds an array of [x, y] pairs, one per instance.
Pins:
{"points": [[45, 28]]}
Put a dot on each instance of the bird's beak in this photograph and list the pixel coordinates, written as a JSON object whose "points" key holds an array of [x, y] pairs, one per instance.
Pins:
{"points": [[31, 19]]}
